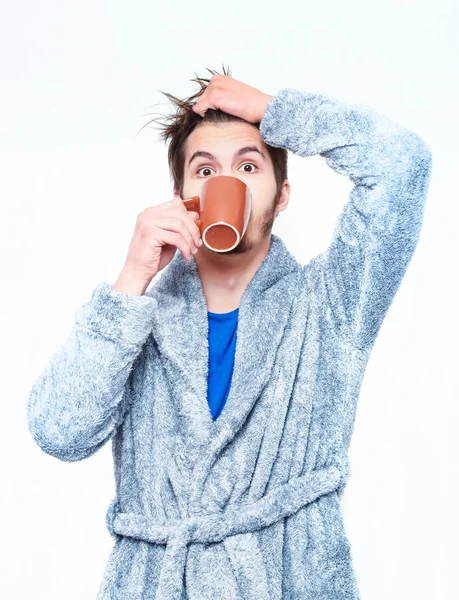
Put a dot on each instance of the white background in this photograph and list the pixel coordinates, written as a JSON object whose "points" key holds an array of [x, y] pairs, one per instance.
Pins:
{"points": [[76, 79]]}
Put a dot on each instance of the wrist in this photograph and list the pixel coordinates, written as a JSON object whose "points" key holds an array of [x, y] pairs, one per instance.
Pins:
{"points": [[131, 282], [265, 100]]}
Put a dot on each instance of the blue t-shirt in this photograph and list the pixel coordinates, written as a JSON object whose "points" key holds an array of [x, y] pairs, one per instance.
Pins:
{"points": [[222, 348]]}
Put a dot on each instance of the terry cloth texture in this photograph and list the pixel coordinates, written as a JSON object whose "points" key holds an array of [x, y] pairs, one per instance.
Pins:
{"points": [[246, 506]]}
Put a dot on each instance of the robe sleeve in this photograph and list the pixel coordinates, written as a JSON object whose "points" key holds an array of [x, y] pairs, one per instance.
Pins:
{"points": [[378, 229], [82, 396]]}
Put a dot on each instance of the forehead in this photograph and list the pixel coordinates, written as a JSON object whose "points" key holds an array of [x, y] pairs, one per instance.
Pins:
{"points": [[223, 139]]}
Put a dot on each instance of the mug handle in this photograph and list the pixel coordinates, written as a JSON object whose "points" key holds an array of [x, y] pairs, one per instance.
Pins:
{"points": [[194, 203]]}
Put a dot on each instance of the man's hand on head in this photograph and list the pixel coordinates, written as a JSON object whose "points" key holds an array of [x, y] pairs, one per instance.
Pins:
{"points": [[233, 97]]}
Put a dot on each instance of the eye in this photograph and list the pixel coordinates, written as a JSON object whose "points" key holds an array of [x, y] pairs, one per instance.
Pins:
{"points": [[201, 168], [252, 165], [210, 169]]}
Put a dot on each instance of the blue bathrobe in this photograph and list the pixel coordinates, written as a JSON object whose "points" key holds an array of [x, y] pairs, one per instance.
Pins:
{"points": [[246, 506]]}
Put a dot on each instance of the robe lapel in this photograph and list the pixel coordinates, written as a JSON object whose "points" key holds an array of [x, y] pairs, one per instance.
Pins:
{"points": [[181, 330]]}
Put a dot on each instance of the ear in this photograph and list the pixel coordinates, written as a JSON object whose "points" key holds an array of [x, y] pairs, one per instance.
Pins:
{"points": [[284, 197]]}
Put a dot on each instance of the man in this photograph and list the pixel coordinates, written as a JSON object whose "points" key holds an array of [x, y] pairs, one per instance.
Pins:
{"points": [[233, 491]]}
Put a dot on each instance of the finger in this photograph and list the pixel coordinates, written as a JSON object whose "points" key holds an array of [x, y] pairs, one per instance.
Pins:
{"points": [[180, 226], [190, 219], [189, 216], [200, 107], [174, 239]]}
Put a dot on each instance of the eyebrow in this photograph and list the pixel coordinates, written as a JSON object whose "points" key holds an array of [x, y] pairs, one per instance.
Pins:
{"points": [[240, 152]]}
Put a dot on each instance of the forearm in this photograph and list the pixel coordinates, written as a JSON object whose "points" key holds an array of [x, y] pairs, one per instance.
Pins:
{"points": [[378, 229], [129, 282], [355, 140], [76, 404]]}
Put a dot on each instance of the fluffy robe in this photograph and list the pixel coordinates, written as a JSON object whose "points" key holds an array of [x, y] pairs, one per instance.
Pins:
{"points": [[247, 506]]}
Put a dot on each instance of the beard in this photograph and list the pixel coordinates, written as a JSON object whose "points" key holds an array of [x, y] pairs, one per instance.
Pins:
{"points": [[262, 227]]}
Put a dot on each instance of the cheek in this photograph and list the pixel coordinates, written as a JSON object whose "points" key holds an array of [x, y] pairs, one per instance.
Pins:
{"points": [[191, 187], [262, 198]]}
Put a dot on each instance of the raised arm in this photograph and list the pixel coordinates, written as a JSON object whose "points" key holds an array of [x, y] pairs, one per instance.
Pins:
{"points": [[83, 394], [379, 227]]}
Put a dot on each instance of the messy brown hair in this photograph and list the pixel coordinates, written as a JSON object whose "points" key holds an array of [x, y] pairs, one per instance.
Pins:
{"points": [[175, 129]]}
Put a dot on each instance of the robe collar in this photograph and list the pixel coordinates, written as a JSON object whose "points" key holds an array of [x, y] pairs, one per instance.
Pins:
{"points": [[180, 330]]}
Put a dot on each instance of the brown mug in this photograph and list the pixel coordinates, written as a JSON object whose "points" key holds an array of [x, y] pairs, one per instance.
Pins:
{"points": [[224, 205]]}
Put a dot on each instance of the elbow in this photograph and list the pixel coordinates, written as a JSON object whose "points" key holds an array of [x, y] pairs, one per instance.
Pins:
{"points": [[418, 153], [59, 447], [412, 165], [66, 442], [69, 430]]}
